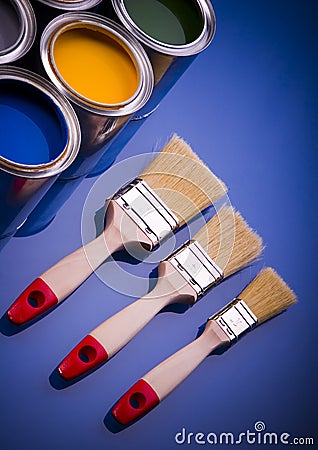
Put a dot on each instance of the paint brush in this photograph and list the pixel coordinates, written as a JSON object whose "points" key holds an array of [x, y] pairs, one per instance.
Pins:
{"points": [[223, 246], [175, 187], [265, 297]]}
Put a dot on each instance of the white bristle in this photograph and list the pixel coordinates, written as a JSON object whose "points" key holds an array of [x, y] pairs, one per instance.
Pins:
{"points": [[229, 241], [182, 180], [267, 295]]}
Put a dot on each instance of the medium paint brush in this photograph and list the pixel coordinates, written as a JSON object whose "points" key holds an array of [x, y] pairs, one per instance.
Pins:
{"points": [[175, 187], [265, 297], [223, 246]]}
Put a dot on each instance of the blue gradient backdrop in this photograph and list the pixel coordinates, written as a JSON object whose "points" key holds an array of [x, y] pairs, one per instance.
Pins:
{"points": [[248, 107]]}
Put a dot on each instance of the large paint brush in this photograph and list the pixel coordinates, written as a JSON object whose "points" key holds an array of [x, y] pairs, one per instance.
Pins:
{"points": [[265, 297], [175, 187], [223, 246]]}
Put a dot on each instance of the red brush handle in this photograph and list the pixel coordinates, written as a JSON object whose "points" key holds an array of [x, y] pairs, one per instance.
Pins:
{"points": [[136, 402], [111, 336], [164, 378], [37, 298], [70, 272], [87, 355]]}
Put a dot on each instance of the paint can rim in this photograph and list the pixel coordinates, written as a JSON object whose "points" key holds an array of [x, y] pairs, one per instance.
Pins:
{"points": [[27, 34], [71, 5], [62, 105], [199, 44], [134, 49]]}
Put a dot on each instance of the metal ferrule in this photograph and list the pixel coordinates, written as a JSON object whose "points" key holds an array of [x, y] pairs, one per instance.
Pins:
{"points": [[235, 319], [196, 267], [147, 210]]}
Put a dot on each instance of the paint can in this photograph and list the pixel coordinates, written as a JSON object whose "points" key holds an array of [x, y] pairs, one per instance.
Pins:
{"points": [[39, 138], [107, 76], [17, 29], [173, 33]]}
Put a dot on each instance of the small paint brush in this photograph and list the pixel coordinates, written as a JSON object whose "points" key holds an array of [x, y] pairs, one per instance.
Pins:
{"points": [[175, 187], [223, 246], [265, 297]]}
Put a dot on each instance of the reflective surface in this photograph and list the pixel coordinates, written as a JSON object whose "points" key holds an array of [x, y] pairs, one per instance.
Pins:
{"points": [[256, 89]]}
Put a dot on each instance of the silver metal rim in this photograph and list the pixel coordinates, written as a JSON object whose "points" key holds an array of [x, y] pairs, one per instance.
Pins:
{"points": [[27, 34], [146, 77], [71, 5], [71, 149], [205, 38]]}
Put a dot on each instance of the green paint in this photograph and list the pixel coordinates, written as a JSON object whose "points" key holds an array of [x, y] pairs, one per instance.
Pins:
{"points": [[175, 22]]}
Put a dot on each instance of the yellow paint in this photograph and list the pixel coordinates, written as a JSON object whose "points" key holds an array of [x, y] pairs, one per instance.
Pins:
{"points": [[96, 65]]}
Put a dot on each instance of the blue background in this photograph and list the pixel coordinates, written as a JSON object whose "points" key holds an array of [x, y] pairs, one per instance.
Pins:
{"points": [[248, 107]]}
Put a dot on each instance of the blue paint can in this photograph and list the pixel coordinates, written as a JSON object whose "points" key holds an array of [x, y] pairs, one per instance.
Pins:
{"points": [[39, 138]]}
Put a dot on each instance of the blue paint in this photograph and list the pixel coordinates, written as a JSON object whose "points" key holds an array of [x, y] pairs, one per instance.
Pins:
{"points": [[32, 128]]}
